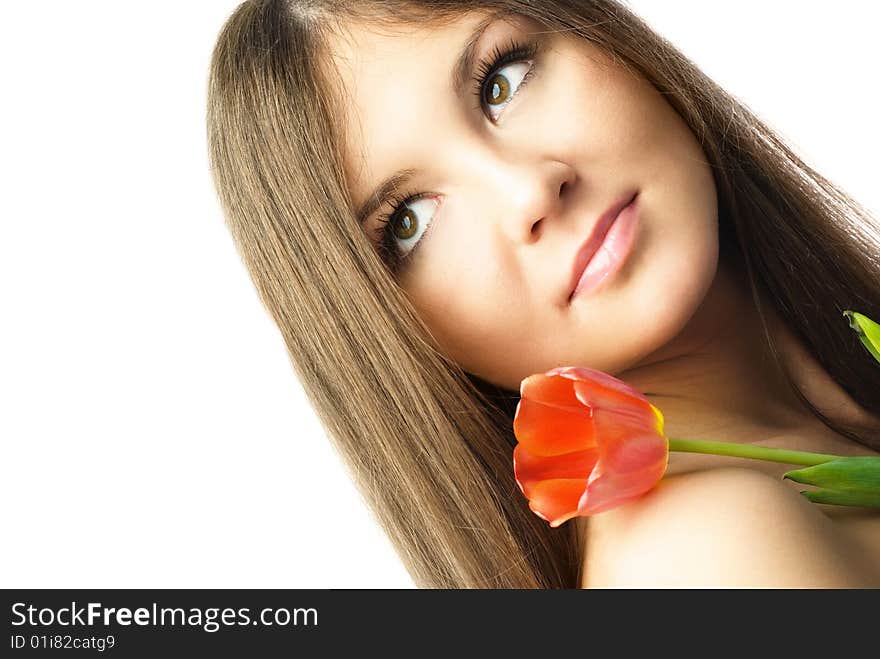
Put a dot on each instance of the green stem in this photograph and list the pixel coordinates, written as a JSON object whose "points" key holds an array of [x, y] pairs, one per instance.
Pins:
{"points": [[749, 451]]}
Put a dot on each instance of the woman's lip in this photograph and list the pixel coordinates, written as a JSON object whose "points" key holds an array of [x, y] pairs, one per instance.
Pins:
{"points": [[597, 236]]}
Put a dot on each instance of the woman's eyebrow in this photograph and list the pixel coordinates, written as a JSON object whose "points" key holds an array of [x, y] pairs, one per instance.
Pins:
{"points": [[459, 76], [382, 192]]}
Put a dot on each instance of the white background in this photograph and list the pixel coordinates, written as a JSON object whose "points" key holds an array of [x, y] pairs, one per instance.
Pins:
{"points": [[153, 433]]}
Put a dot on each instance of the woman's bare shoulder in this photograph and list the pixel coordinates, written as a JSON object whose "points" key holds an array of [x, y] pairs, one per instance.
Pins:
{"points": [[720, 528]]}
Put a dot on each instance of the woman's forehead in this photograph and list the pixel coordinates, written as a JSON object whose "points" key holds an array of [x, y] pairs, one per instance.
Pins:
{"points": [[391, 81], [346, 35], [380, 50]]}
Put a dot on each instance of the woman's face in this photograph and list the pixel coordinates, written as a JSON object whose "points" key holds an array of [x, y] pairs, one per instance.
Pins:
{"points": [[511, 182]]}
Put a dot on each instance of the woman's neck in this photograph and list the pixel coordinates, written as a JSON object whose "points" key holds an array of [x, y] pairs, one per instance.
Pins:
{"points": [[718, 380]]}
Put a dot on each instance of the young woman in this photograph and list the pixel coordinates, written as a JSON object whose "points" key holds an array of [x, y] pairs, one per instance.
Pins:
{"points": [[414, 186]]}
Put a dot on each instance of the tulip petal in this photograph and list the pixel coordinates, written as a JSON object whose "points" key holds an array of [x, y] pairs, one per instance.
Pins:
{"points": [[633, 457], [607, 489], [632, 454], [550, 389], [557, 500], [530, 469], [549, 418], [547, 430], [624, 434], [596, 395], [584, 374]]}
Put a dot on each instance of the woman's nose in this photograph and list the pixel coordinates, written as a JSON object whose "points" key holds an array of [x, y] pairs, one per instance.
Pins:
{"points": [[537, 199], [523, 196]]}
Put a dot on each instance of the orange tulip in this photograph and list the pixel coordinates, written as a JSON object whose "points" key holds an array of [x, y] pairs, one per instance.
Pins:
{"points": [[588, 442]]}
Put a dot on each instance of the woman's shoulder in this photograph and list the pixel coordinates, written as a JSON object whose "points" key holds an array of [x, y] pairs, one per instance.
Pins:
{"points": [[720, 528]]}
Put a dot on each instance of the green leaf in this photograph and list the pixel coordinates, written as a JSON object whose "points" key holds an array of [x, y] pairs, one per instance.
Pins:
{"points": [[860, 472], [844, 497], [867, 330]]}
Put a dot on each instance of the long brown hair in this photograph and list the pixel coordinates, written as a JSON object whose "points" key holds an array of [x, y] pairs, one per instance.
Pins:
{"points": [[429, 445]]}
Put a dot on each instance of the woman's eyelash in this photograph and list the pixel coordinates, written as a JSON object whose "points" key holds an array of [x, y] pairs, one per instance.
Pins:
{"points": [[512, 51], [382, 233]]}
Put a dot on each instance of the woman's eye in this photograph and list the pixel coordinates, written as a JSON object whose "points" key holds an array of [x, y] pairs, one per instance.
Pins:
{"points": [[500, 87], [497, 80], [409, 222]]}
